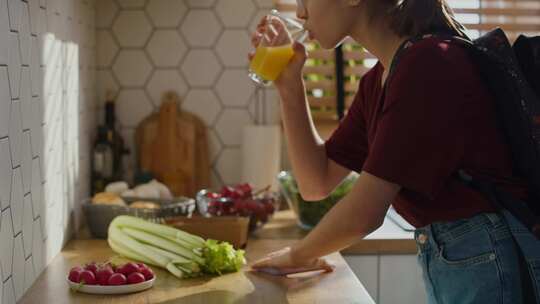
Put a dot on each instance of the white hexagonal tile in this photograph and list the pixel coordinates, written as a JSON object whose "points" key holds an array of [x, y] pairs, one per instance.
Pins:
{"points": [[202, 103], [6, 247], [9, 292], [237, 15], [132, 68], [5, 173], [5, 101], [132, 3], [17, 199], [15, 132], [105, 82], [233, 47], [106, 10], [18, 267], [34, 9], [36, 131], [201, 68], [265, 3], [200, 3], [106, 48], [214, 145], [4, 32], [26, 98], [37, 254], [35, 68], [201, 28], [229, 165], [235, 88], [37, 189], [166, 48], [26, 161], [163, 81], [215, 180], [24, 35], [166, 13], [132, 28], [14, 68], [15, 12], [230, 124], [29, 275], [28, 225], [132, 106]]}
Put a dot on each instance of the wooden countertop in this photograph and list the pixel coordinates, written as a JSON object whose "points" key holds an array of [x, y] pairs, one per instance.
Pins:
{"points": [[341, 286], [388, 239]]}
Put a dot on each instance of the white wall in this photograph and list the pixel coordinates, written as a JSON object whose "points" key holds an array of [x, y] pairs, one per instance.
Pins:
{"points": [[47, 113], [197, 48]]}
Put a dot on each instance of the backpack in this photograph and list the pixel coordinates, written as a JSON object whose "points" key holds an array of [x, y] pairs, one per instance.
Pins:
{"points": [[513, 77]]}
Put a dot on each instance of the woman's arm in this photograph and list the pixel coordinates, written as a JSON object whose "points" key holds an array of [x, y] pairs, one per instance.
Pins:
{"points": [[361, 212], [316, 175]]}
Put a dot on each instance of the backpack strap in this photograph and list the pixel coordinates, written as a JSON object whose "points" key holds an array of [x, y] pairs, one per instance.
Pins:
{"points": [[500, 199]]}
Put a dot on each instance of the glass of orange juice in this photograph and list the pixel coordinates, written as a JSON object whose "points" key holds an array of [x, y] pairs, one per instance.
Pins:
{"points": [[271, 58]]}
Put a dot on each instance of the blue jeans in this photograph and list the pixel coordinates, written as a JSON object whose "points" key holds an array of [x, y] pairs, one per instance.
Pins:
{"points": [[476, 260]]}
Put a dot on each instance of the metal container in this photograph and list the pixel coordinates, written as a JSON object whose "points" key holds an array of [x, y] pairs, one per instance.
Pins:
{"points": [[99, 216]]}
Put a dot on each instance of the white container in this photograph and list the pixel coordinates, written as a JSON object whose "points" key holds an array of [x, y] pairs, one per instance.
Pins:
{"points": [[261, 155]]}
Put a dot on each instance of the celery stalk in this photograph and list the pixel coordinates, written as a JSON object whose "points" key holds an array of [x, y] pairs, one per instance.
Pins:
{"points": [[157, 229], [162, 243], [123, 239], [130, 254]]}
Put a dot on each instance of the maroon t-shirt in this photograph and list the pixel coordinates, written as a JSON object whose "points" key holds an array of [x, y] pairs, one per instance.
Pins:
{"points": [[436, 117]]}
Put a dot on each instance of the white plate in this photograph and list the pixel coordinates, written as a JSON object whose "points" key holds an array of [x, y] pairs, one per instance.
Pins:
{"points": [[117, 289]]}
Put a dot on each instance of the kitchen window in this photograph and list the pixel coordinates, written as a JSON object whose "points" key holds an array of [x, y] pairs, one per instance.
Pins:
{"points": [[332, 76]]}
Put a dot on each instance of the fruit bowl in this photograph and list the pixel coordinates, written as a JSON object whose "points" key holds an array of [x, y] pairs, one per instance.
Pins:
{"points": [[119, 289], [239, 200], [310, 213], [107, 278]]}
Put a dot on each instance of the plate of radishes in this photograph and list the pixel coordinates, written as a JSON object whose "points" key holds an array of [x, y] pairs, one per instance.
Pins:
{"points": [[107, 278]]}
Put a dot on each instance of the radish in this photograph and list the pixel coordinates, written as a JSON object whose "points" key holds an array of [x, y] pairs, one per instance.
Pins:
{"points": [[128, 268], [92, 267], [147, 273], [88, 277], [75, 274], [103, 274], [117, 279], [135, 277]]}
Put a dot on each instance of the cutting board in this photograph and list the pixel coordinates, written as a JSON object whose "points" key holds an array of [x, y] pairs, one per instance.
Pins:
{"points": [[173, 145]]}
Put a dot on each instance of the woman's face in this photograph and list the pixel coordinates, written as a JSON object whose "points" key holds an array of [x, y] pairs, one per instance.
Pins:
{"points": [[329, 21]]}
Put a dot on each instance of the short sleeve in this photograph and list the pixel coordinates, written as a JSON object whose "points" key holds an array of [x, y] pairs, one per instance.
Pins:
{"points": [[419, 141], [348, 144]]}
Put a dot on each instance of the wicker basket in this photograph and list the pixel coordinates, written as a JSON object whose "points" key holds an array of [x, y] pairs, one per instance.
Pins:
{"points": [[99, 216]]}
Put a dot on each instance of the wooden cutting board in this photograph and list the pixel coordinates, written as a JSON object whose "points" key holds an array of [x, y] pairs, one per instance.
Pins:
{"points": [[173, 145]]}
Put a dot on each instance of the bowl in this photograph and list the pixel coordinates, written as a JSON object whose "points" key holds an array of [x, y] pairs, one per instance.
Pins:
{"points": [[309, 213], [107, 290], [259, 207], [99, 216]]}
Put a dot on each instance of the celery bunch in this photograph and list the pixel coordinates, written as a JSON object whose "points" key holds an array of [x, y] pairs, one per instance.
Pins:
{"points": [[183, 254]]}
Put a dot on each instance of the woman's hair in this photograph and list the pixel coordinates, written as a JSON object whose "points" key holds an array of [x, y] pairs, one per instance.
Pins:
{"points": [[415, 17]]}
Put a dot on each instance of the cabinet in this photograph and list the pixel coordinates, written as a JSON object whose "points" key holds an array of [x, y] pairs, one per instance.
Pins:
{"points": [[390, 279]]}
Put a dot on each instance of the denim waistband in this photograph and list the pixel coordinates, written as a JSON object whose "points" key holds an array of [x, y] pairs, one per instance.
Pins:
{"points": [[449, 231]]}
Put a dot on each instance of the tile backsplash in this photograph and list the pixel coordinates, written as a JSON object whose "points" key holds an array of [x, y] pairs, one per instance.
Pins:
{"points": [[47, 114], [197, 48]]}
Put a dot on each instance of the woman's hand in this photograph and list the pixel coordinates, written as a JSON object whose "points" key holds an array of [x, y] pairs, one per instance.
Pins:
{"points": [[275, 32], [283, 262]]}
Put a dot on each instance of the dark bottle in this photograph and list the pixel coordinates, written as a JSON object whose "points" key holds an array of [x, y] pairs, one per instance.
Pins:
{"points": [[108, 151], [102, 161], [114, 137]]}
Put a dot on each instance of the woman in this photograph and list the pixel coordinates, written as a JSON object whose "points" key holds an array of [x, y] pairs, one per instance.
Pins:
{"points": [[406, 138]]}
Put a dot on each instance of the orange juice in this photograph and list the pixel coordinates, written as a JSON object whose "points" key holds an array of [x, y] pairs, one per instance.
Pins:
{"points": [[269, 62]]}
